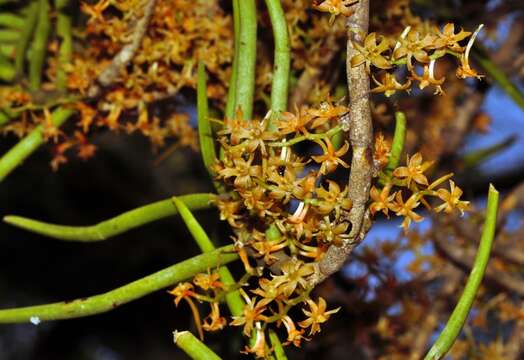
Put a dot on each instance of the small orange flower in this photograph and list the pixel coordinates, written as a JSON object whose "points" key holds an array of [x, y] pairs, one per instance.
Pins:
{"points": [[317, 315], [414, 171], [331, 158], [451, 199], [253, 312], [216, 322], [294, 336], [382, 200], [405, 209]]}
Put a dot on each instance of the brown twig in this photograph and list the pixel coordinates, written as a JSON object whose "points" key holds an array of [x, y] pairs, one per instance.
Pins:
{"points": [[110, 74], [360, 136]]}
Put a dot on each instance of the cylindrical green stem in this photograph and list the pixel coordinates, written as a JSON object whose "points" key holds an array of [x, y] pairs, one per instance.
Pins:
{"points": [[277, 346], [461, 311], [233, 298], [282, 59], [63, 31], [30, 143], [39, 45], [193, 347], [11, 21], [114, 226], [245, 86], [9, 36], [7, 70], [25, 37], [396, 148], [205, 132], [231, 93], [108, 301]]}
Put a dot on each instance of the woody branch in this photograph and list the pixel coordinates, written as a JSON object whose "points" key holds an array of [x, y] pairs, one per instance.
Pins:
{"points": [[360, 136]]}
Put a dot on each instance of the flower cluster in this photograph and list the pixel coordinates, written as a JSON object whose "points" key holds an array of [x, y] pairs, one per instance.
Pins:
{"points": [[415, 46], [412, 177], [284, 213]]}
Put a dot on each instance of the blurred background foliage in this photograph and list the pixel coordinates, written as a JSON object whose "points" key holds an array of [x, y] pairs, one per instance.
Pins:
{"points": [[397, 290]]}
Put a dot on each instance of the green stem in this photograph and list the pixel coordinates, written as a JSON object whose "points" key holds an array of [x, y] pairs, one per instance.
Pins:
{"points": [[483, 59], [9, 36], [63, 31], [30, 143], [247, 51], [282, 61], [110, 300], [25, 37], [461, 311], [39, 46], [233, 299], [7, 70], [12, 21], [205, 132], [193, 347], [277, 346], [396, 148], [114, 226], [231, 101]]}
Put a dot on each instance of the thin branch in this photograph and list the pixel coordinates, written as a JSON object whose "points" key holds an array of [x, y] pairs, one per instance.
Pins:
{"points": [[110, 74], [282, 61], [39, 45], [361, 137], [114, 226], [111, 300], [247, 52], [25, 147], [234, 300], [25, 37], [231, 92], [396, 147], [63, 31]]}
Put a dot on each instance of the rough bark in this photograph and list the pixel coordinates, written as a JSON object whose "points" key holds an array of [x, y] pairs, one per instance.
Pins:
{"points": [[358, 123]]}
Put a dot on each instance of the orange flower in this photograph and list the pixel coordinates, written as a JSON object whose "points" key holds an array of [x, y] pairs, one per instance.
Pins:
{"points": [[451, 199], [317, 315], [382, 201], [208, 281], [428, 78], [216, 322], [414, 171], [181, 291], [405, 209], [331, 158], [389, 85], [371, 53], [465, 70], [252, 312], [336, 7], [294, 336]]}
